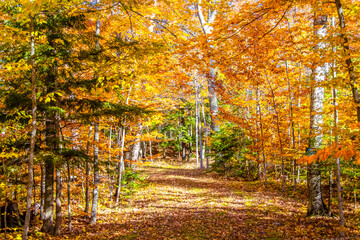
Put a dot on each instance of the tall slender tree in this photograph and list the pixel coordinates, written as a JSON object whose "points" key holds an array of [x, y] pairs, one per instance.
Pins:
{"points": [[316, 205]]}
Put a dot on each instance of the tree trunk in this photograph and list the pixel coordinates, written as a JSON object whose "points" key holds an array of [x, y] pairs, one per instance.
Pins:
{"points": [[109, 166], [292, 128], [143, 155], [33, 133], [96, 147], [57, 230], [68, 195], [150, 151], [330, 192], [96, 174], [207, 29], [52, 143], [183, 143], [42, 189], [338, 168], [206, 137], [200, 131], [121, 165], [135, 149], [349, 63], [279, 134], [87, 169], [261, 133], [196, 126], [190, 144], [150, 147], [49, 181], [316, 204]]}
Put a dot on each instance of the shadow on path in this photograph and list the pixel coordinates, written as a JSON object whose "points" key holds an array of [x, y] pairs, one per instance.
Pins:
{"points": [[189, 204]]}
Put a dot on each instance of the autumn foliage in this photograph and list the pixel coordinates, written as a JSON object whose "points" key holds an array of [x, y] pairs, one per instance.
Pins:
{"points": [[91, 91]]}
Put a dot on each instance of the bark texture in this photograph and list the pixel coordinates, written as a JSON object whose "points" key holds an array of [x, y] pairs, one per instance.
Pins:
{"points": [[316, 204], [57, 230]]}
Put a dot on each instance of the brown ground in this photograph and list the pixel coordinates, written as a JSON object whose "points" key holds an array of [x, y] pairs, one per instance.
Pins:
{"points": [[182, 203]]}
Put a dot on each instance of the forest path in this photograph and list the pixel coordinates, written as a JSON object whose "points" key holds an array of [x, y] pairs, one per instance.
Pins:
{"points": [[179, 203]]}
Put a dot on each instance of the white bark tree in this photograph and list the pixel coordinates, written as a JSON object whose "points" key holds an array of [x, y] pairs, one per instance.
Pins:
{"points": [[207, 29], [316, 204]]}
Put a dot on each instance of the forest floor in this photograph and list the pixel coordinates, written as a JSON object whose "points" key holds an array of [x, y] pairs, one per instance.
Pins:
{"points": [[178, 202]]}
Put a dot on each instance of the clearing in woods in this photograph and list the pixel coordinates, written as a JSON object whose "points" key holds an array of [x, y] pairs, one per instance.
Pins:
{"points": [[182, 203]]}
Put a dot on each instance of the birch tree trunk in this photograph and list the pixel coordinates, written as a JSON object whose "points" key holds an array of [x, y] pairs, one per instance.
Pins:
{"points": [[135, 150], [96, 174], [291, 121], [206, 136], [207, 29], [69, 196], [316, 204], [96, 147], [196, 125], [121, 163], [200, 131], [338, 169]]}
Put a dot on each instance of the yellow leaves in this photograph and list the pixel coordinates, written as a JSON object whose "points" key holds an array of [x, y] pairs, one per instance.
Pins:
{"points": [[10, 155], [9, 67], [51, 96], [17, 67], [59, 41]]}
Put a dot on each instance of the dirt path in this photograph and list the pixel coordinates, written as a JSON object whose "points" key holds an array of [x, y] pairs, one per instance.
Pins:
{"points": [[189, 204]]}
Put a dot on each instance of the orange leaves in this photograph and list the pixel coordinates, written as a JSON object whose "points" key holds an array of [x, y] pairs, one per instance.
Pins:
{"points": [[332, 152]]}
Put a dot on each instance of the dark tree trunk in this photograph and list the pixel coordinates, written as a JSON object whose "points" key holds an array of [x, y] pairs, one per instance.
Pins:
{"points": [[87, 166], [52, 143], [33, 134], [348, 61], [49, 197]]}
